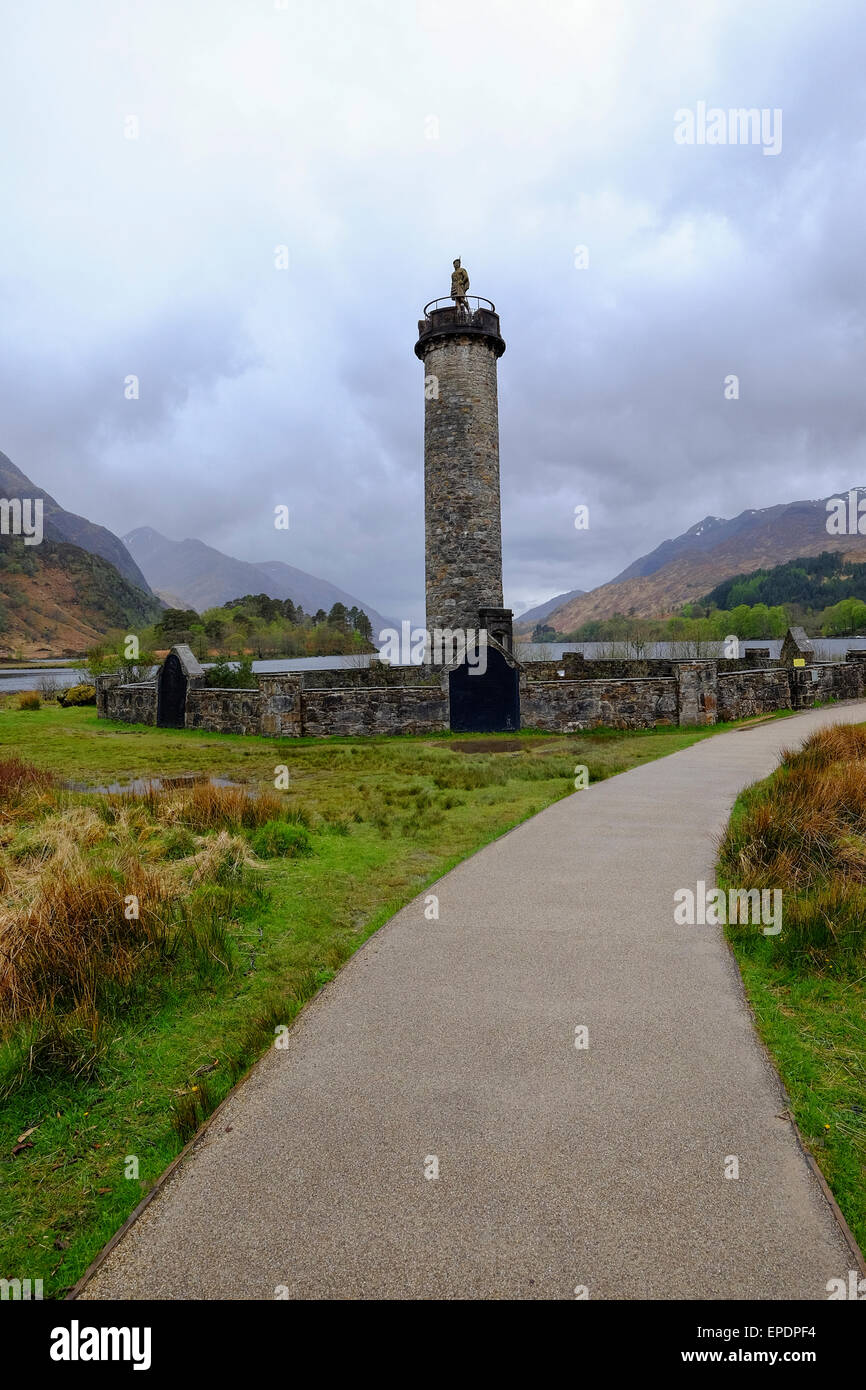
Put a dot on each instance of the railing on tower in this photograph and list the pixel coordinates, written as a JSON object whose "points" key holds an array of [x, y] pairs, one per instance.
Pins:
{"points": [[445, 318], [448, 303]]}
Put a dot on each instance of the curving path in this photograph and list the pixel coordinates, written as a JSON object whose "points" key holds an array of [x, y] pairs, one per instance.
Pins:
{"points": [[558, 1167]]}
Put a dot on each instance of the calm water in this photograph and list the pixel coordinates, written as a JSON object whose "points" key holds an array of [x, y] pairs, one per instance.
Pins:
{"points": [[826, 649]]}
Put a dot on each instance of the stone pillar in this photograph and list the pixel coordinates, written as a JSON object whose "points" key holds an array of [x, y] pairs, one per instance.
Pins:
{"points": [[103, 685], [463, 532], [697, 692], [281, 707]]}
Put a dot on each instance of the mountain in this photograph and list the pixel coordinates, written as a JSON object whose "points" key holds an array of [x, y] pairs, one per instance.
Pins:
{"points": [[60, 525], [681, 570], [198, 576], [534, 615], [59, 600]]}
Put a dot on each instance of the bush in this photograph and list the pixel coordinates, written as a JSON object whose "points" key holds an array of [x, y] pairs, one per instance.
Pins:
{"points": [[227, 675], [77, 695], [278, 839]]}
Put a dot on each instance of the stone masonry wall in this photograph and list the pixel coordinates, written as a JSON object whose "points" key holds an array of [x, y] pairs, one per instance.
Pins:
{"points": [[132, 704], [811, 685], [697, 692], [463, 538], [743, 694], [388, 710], [223, 711], [281, 708], [565, 706]]}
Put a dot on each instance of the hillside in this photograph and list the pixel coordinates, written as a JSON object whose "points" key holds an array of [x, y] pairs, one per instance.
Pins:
{"points": [[681, 570], [534, 615], [198, 576], [60, 525], [58, 600]]}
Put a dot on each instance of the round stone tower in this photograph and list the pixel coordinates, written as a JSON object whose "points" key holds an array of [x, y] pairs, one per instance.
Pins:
{"points": [[459, 344]]}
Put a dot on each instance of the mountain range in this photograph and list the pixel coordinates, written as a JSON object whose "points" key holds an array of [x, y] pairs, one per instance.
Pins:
{"points": [[683, 569], [190, 574]]}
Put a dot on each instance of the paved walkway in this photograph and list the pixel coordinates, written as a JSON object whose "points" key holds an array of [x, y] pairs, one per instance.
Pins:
{"points": [[558, 1167]]}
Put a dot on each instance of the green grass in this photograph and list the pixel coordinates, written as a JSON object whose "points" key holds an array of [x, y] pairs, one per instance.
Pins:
{"points": [[384, 817]]}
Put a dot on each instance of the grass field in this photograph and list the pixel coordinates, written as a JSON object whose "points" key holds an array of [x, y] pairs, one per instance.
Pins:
{"points": [[803, 830], [103, 1085]]}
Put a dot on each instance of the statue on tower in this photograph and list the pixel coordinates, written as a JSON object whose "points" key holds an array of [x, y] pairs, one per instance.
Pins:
{"points": [[459, 286]]}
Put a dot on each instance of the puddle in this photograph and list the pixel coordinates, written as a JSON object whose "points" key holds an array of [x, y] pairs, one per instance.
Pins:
{"points": [[140, 785]]}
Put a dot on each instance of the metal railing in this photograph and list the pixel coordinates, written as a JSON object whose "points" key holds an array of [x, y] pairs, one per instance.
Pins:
{"points": [[448, 302]]}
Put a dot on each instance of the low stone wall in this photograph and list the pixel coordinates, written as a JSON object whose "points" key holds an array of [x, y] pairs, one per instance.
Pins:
{"points": [[132, 704], [838, 680], [230, 711], [744, 694], [416, 700], [565, 706], [386, 710]]}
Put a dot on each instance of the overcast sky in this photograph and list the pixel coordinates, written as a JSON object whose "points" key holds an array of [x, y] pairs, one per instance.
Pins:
{"points": [[376, 140]]}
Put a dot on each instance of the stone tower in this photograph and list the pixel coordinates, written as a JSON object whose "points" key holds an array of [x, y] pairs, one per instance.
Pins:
{"points": [[459, 346]]}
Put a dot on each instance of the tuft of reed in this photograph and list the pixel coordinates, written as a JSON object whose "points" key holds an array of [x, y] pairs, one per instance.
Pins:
{"points": [[804, 832]]}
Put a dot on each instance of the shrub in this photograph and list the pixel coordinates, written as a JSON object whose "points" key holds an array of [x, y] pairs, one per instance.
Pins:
{"points": [[226, 675], [77, 695], [280, 840], [29, 699]]}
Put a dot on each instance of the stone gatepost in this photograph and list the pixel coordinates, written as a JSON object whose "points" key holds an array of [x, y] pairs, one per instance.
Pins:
{"points": [[281, 708], [697, 692], [103, 685]]}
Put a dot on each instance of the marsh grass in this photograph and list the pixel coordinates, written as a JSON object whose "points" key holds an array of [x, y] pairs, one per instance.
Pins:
{"points": [[804, 831]]}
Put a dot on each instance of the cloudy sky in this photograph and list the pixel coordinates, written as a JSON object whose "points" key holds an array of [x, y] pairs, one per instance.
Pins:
{"points": [[376, 140]]}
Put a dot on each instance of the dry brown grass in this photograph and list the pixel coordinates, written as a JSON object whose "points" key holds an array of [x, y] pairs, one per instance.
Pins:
{"points": [[201, 807], [71, 941], [74, 939], [804, 832]]}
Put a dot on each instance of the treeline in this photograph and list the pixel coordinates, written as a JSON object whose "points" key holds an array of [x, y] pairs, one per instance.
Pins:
{"points": [[690, 625], [263, 627], [812, 584]]}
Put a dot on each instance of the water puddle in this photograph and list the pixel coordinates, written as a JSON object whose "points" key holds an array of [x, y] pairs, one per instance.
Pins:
{"points": [[140, 786]]}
